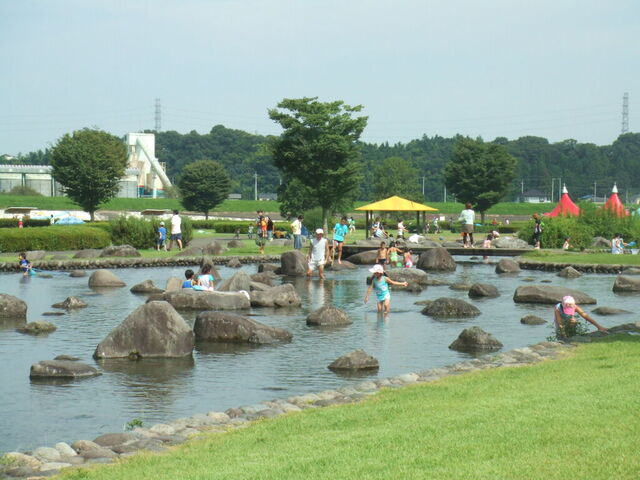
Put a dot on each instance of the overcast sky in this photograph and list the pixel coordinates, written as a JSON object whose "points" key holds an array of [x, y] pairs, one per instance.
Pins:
{"points": [[551, 68]]}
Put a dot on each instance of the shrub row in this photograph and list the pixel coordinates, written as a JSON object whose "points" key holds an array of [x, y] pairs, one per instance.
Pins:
{"points": [[53, 238], [142, 233], [27, 222]]}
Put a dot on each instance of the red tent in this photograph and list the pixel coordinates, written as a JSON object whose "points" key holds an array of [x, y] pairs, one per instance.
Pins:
{"points": [[614, 205], [565, 206]]}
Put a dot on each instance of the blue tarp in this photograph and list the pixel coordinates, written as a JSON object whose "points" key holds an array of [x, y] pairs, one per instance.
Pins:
{"points": [[69, 221]]}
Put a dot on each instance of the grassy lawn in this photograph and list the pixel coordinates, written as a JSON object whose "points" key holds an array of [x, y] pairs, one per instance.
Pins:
{"points": [[574, 257], [571, 418]]}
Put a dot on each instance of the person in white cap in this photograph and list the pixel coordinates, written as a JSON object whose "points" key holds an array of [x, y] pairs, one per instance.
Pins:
{"points": [[565, 318], [381, 283], [161, 238], [318, 253]]}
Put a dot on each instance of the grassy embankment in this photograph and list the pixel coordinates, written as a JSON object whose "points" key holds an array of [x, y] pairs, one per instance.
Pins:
{"points": [[582, 257], [139, 204], [571, 418]]}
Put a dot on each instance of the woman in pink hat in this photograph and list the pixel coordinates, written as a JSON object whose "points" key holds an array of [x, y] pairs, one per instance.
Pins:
{"points": [[381, 283], [565, 318]]}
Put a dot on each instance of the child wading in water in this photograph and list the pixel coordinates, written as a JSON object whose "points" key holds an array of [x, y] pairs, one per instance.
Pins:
{"points": [[382, 254], [381, 283], [25, 265], [564, 316]]}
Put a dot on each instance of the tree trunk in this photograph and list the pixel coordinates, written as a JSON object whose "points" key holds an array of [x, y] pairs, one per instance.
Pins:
{"points": [[325, 214], [206, 215], [92, 215], [482, 217]]}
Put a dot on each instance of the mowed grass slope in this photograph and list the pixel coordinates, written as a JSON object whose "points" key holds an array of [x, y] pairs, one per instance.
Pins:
{"points": [[575, 418]]}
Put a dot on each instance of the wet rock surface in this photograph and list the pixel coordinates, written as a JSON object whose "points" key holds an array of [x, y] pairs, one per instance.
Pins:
{"points": [[70, 303], [549, 294], [61, 369], [230, 328], [356, 360], [436, 260], [450, 308], [328, 316], [475, 339]]}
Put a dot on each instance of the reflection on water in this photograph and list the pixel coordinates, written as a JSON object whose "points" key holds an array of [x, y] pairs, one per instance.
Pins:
{"points": [[220, 376]]}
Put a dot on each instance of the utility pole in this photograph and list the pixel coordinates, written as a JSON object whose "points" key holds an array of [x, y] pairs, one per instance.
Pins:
{"points": [[445, 194], [158, 115], [423, 185], [553, 182], [625, 113], [255, 186]]}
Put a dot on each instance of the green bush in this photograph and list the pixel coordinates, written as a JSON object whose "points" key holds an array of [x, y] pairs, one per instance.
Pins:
{"points": [[230, 226], [141, 233], [27, 222], [53, 238], [203, 224]]}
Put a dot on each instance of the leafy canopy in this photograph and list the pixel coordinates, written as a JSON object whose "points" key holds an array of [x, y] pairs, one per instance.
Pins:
{"points": [[89, 165], [396, 176], [203, 186], [319, 148], [479, 173]]}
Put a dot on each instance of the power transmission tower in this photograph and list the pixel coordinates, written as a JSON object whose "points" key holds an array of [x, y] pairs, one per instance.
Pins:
{"points": [[158, 115], [625, 113]]}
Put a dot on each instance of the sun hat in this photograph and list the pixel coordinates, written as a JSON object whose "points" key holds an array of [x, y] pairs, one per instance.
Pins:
{"points": [[377, 269], [319, 231], [161, 223], [568, 305]]}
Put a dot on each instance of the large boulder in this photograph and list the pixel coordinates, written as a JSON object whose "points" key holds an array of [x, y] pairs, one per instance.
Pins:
{"points": [[506, 265], [189, 299], [328, 316], [601, 242], [88, 253], [293, 263], [339, 267], [235, 244], [509, 242], [213, 248], [105, 278], [61, 369], [231, 328], [146, 287], [281, 296], [356, 360], [475, 339], [626, 284], [631, 271], [173, 284], [70, 303], [120, 251], [268, 267], [77, 273], [549, 294], [367, 257], [569, 272], [234, 263], [264, 277], [154, 329], [450, 308], [479, 290], [239, 281], [37, 328], [411, 275], [12, 307], [436, 260]]}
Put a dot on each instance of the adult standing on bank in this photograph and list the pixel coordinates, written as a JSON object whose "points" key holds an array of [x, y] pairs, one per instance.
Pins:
{"points": [[467, 218], [296, 229], [318, 253], [537, 231], [176, 231]]}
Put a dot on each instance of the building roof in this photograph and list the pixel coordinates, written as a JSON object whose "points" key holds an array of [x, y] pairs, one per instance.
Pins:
{"points": [[397, 204]]}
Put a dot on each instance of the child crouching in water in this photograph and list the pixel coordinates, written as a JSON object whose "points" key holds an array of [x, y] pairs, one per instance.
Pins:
{"points": [[25, 265], [381, 283], [564, 316]]}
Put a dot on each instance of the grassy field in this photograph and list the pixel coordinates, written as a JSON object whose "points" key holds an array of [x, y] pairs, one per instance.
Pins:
{"points": [[575, 257], [570, 418], [139, 204]]}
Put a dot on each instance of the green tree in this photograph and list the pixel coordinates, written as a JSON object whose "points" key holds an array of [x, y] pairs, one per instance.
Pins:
{"points": [[479, 173], [396, 176], [319, 148], [89, 165], [203, 185]]}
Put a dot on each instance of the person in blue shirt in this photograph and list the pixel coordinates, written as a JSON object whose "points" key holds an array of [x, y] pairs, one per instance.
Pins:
{"points": [[380, 283], [340, 231], [190, 279], [161, 238], [25, 265]]}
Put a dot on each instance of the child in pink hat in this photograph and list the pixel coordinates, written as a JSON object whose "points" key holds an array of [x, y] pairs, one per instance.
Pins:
{"points": [[565, 318]]}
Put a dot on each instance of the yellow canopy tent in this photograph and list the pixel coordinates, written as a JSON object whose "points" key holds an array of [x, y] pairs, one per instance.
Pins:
{"points": [[396, 204]]}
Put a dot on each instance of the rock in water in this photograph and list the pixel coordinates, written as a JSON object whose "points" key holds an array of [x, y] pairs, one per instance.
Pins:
{"points": [[267, 267], [146, 287], [328, 316], [367, 257], [264, 277], [281, 296], [70, 303], [479, 290], [293, 263], [231, 328], [154, 329], [356, 360], [234, 263], [411, 275], [506, 265], [120, 251], [188, 299], [532, 320], [37, 328], [475, 339], [78, 273], [173, 284], [239, 281], [549, 294], [450, 308], [569, 272], [436, 260], [626, 284], [105, 278], [61, 369], [608, 311], [12, 307]]}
